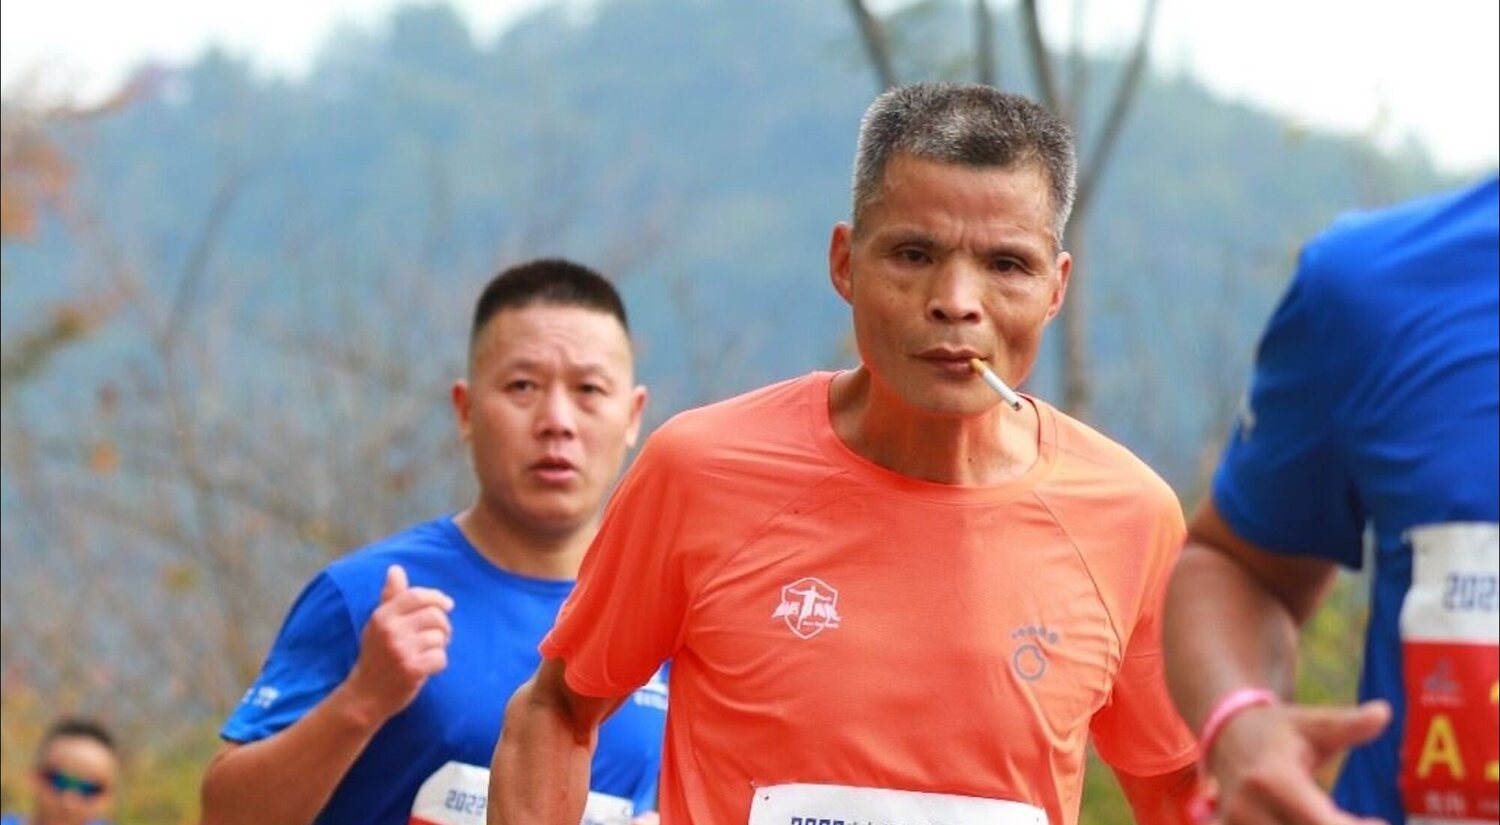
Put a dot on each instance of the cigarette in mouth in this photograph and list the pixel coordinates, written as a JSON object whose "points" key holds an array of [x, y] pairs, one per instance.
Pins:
{"points": [[989, 376]]}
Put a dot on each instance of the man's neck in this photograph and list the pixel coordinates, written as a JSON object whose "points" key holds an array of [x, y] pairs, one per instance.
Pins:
{"points": [[978, 451], [533, 553]]}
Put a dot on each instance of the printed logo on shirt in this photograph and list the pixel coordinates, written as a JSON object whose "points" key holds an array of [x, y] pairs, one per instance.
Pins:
{"points": [[653, 694], [260, 697], [809, 606], [1029, 659]]}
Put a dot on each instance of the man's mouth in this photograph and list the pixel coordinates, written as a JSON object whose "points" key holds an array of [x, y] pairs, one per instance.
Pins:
{"points": [[951, 359], [555, 470]]}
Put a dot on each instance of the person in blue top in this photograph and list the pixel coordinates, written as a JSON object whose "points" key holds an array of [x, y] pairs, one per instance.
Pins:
{"points": [[74, 777], [382, 696], [1369, 431]]}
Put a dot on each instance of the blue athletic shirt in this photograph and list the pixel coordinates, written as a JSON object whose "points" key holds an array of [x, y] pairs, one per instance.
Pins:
{"points": [[1373, 403], [498, 620]]}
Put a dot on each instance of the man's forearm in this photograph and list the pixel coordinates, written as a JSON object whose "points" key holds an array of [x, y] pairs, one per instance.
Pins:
{"points": [[287, 778], [1224, 630], [540, 773]]}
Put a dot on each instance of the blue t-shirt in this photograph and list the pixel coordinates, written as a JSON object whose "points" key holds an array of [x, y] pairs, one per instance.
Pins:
{"points": [[1375, 403], [498, 620]]}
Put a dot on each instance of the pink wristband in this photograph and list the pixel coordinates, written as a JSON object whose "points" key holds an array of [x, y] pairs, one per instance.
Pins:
{"points": [[1227, 708]]}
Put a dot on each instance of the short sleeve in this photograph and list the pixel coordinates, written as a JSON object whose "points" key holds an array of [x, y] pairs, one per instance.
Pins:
{"points": [[313, 654], [1283, 483], [1138, 731], [627, 613]]}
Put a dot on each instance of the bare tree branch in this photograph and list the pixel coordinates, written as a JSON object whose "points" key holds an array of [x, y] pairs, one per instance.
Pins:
{"points": [[1078, 70], [196, 266], [1114, 121], [1041, 57], [876, 46], [984, 36]]}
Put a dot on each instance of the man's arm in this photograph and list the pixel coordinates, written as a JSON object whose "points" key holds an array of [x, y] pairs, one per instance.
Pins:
{"points": [[1161, 800], [1233, 612], [540, 774], [289, 776]]}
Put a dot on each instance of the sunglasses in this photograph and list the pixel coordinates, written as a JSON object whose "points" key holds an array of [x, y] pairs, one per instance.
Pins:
{"points": [[64, 782]]}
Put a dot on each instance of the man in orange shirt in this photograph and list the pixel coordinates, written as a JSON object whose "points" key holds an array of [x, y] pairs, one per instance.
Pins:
{"points": [[887, 598]]}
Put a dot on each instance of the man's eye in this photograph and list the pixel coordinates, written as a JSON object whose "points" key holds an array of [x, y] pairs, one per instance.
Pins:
{"points": [[520, 385], [591, 389], [912, 256], [1005, 265]]}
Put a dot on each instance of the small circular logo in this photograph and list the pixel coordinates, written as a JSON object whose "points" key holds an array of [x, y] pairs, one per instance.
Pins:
{"points": [[1029, 661]]}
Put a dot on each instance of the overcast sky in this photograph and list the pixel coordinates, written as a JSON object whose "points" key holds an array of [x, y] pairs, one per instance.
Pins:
{"points": [[1375, 66]]}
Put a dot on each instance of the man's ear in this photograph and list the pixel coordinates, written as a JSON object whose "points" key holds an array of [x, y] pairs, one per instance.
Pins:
{"points": [[840, 249], [638, 399], [1060, 289], [460, 398]]}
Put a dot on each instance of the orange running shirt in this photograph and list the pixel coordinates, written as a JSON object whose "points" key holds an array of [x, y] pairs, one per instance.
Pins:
{"points": [[832, 622]]}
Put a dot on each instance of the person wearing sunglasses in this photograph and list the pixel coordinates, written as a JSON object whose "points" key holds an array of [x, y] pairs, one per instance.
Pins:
{"points": [[73, 782]]}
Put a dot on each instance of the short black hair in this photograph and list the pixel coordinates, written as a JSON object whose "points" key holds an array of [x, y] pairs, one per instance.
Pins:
{"points": [[77, 726], [550, 281], [968, 124]]}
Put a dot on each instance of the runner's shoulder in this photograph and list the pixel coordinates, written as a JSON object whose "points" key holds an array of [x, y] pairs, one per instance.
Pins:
{"points": [[755, 427], [1084, 450]]}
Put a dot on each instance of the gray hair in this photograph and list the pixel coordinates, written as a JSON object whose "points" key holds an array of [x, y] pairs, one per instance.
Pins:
{"points": [[968, 124]]}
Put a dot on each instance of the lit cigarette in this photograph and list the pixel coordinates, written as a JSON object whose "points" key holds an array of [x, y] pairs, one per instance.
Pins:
{"points": [[989, 376]]}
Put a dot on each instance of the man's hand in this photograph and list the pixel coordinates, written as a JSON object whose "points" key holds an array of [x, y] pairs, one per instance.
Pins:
{"points": [[1265, 759], [405, 641]]}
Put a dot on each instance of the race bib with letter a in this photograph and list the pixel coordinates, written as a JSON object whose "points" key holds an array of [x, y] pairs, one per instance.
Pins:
{"points": [[1450, 644]]}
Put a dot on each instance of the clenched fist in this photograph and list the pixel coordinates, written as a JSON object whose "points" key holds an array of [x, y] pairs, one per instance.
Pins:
{"points": [[405, 641]]}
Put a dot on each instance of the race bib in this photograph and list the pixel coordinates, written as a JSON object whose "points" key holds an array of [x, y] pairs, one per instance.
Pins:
{"points": [[845, 805], [1450, 642], [457, 794]]}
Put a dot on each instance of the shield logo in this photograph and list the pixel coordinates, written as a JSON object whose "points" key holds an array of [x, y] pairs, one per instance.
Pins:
{"points": [[809, 606]]}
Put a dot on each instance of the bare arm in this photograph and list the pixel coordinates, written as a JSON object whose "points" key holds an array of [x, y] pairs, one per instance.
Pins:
{"points": [[1232, 617], [288, 777], [1160, 800], [540, 774]]}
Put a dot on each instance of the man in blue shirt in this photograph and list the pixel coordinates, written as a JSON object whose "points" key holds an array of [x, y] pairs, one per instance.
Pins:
{"points": [[1372, 416], [73, 780], [383, 694]]}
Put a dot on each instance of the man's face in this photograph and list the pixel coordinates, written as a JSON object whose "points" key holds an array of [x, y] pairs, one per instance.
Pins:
{"points": [[548, 411], [950, 262], [74, 781]]}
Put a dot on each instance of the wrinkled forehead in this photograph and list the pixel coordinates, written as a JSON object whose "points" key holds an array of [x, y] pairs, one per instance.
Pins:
{"points": [[903, 166], [557, 335], [914, 187]]}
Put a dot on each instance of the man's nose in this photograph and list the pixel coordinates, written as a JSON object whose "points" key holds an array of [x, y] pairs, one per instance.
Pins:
{"points": [[954, 296], [557, 417]]}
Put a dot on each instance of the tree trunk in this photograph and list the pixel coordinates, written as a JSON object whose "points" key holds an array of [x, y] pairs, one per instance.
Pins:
{"points": [[873, 35], [1077, 383]]}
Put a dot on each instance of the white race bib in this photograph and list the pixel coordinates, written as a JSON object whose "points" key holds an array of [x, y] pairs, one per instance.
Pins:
{"points": [[1450, 650], [846, 805], [458, 793]]}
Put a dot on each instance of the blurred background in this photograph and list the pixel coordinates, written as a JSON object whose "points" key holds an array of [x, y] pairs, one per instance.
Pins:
{"points": [[240, 249]]}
